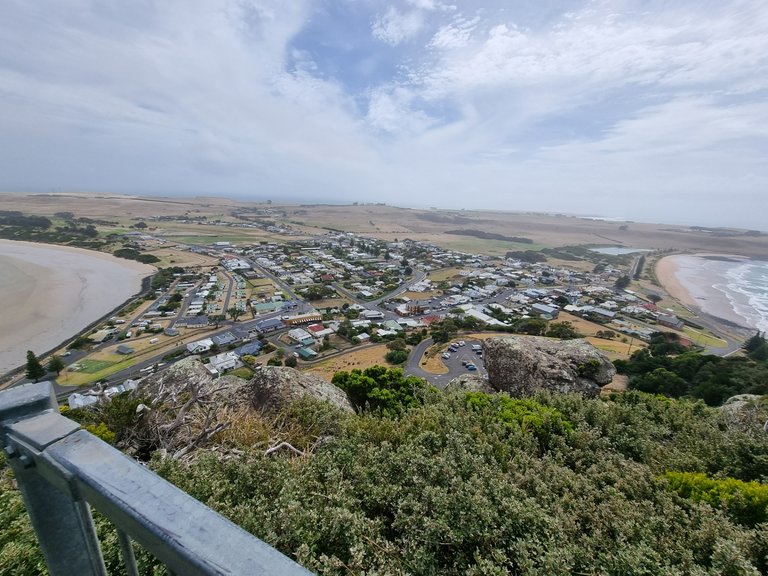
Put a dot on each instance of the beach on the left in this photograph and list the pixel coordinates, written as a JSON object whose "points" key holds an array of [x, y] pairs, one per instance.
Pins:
{"points": [[50, 293]]}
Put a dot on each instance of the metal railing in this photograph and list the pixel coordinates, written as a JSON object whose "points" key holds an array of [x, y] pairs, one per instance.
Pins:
{"points": [[62, 470]]}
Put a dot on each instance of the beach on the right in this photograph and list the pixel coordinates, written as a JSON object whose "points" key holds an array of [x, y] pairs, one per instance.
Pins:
{"points": [[731, 288]]}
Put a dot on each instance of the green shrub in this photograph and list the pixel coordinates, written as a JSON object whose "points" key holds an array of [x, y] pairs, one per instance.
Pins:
{"points": [[745, 502], [529, 416]]}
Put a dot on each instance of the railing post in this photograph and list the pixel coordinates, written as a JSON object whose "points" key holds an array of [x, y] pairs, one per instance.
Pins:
{"points": [[62, 521]]}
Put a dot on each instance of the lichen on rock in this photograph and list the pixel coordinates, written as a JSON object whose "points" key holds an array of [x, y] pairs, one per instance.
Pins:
{"points": [[522, 365]]}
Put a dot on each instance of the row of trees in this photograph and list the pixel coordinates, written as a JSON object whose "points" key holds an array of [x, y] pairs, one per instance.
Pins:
{"points": [[445, 330], [35, 370], [666, 367]]}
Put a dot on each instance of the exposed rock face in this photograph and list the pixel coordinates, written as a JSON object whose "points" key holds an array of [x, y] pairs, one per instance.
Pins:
{"points": [[189, 406], [523, 365], [275, 386], [745, 412], [470, 383]]}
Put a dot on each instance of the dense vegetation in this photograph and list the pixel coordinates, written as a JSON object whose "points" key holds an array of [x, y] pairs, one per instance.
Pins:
{"points": [[74, 231], [489, 236], [666, 367], [464, 483], [133, 254]]}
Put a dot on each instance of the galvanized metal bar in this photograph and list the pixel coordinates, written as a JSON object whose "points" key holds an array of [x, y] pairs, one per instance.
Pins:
{"points": [[185, 535], [127, 551], [62, 523]]}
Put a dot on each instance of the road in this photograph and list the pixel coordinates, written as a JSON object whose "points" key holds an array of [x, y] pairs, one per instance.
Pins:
{"points": [[454, 363], [284, 286]]}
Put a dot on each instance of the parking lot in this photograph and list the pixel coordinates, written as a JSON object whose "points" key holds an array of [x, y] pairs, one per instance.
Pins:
{"points": [[465, 354]]}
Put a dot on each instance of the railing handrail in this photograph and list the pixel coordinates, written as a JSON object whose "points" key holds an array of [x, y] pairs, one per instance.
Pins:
{"points": [[59, 467]]}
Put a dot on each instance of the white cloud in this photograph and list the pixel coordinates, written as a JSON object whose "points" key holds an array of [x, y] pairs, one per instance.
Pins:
{"points": [[620, 106], [395, 27]]}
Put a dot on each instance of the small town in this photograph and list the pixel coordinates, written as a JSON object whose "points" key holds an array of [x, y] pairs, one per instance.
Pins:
{"points": [[341, 300]]}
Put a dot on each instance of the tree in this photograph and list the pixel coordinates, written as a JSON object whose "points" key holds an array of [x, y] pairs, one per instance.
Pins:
{"points": [[562, 330], [35, 370], [443, 331], [397, 344], [235, 313], [326, 343], [396, 356], [531, 326], [661, 381], [655, 298], [384, 390], [216, 319], [291, 362], [756, 347], [56, 364], [754, 342], [623, 282]]}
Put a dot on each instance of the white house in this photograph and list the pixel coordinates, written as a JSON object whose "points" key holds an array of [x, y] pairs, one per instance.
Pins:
{"points": [[81, 401], [200, 346], [224, 361]]}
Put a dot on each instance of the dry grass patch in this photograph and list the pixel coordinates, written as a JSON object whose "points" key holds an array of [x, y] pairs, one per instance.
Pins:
{"points": [[421, 295], [331, 303], [432, 362], [444, 274], [358, 358], [616, 349], [619, 383], [175, 256], [584, 327]]}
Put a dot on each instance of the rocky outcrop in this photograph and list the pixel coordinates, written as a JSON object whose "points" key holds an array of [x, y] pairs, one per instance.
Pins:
{"points": [[275, 386], [521, 365], [745, 412], [470, 383], [187, 407]]}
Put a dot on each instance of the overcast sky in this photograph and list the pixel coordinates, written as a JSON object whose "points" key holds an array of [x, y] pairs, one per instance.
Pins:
{"points": [[645, 110]]}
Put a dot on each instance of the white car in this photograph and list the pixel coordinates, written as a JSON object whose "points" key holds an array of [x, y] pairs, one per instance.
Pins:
{"points": [[446, 355]]}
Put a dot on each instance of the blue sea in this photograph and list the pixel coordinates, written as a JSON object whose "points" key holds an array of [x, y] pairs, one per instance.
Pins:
{"points": [[734, 289]]}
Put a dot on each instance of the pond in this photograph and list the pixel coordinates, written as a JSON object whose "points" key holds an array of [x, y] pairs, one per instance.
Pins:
{"points": [[618, 250]]}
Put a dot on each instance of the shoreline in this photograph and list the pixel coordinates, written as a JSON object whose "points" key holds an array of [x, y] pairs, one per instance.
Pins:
{"points": [[694, 287], [53, 293], [666, 271]]}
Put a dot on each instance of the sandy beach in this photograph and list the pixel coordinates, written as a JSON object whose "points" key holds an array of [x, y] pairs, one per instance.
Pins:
{"points": [[698, 282], [50, 293], [666, 274]]}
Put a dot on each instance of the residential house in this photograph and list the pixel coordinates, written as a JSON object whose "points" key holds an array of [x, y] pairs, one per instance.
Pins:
{"points": [[301, 336], [544, 310], [670, 321], [224, 361], [200, 346], [269, 325]]}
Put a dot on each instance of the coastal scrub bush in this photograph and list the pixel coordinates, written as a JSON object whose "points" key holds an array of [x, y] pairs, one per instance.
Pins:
{"points": [[528, 415], [379, 389], [745, 502]]}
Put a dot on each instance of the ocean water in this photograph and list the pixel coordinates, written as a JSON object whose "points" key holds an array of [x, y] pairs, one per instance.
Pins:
{"points": [[734, 289], [746, 287]]}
